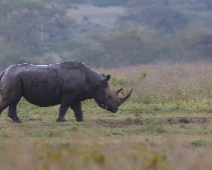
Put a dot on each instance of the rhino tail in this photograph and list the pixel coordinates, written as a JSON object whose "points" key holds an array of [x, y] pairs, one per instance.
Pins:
{"points": [[1, 75]]}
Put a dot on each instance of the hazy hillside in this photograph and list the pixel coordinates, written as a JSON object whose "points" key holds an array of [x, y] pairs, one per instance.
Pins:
{"points": [[90, 18], [105, 33]]}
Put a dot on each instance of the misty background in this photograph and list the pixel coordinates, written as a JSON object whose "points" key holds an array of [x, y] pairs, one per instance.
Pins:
{"points": [[105, 33]]}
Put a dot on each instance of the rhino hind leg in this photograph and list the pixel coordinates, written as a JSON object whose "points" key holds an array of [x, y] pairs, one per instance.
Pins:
{"points": [[12, 109], [12, 113], [4, 104]]}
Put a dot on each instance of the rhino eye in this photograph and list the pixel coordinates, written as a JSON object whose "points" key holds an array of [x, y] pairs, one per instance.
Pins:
{"points": [[109, 97]]}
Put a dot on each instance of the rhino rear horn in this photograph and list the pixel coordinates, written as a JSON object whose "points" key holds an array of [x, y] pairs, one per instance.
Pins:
{"points": [[122, 100], [119, 90]]}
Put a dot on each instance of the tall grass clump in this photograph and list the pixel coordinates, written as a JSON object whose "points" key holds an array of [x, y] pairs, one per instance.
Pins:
{"points": [[124, 155]]}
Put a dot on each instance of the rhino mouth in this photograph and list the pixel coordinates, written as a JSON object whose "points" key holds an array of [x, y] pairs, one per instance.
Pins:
{"points": [[111, 109], [104, 106]]}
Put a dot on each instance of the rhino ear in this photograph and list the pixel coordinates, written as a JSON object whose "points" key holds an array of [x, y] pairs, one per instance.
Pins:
{"points": [[104, 83], [107, 77]]}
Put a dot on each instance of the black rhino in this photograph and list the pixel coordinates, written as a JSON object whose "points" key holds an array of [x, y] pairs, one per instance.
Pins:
{"points": [[66, 84]]}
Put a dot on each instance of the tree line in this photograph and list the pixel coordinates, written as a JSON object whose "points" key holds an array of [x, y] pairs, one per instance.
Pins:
{"points": [[43, 31]]}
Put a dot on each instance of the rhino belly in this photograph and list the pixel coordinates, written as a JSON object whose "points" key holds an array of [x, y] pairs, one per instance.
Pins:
{"points": [[42, 100], [41, 93]]}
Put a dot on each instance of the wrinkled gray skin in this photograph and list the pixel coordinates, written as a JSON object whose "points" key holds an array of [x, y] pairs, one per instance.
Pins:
{"points": [[66, 84]]}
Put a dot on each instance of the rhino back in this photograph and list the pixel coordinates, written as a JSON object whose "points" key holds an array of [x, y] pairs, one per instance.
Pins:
{"points": [[44, 85]]}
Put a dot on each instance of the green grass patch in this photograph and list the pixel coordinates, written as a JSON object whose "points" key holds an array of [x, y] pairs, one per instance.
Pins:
{"points": [[198, 142]]}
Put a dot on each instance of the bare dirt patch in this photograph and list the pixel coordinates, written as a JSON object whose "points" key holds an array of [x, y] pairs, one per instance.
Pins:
{"points": [[133, 122], [188, 120], [120, 123]]}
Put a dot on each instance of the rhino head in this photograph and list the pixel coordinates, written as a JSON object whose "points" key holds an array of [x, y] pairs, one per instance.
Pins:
{"points": [[107, 99]]}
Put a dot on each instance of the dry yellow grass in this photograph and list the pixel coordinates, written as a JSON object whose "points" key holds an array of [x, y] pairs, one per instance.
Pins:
{"points": [[166, 124]]}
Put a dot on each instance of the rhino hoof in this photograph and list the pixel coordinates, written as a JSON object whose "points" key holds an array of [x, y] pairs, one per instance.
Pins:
{"points": [[61, 120], [17, 121], [79, 120]]}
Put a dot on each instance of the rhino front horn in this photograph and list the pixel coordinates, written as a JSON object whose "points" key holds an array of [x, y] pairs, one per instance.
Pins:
{"points": [[122, 100]]}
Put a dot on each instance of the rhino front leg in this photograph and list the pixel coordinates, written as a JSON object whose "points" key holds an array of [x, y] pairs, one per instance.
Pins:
{"points": [[62, 112], [77, 108]]}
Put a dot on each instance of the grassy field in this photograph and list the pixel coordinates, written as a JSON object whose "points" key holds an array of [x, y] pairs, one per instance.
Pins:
{"points": [[166, 124]]}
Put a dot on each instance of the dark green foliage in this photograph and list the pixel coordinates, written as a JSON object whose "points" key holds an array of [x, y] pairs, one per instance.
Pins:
{"points": [[160, 130], [157, 15], [28, 29], [198, 143]]}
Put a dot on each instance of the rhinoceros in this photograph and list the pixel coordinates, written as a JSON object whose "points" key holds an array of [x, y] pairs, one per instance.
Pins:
{"points": [[66, 84]]}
